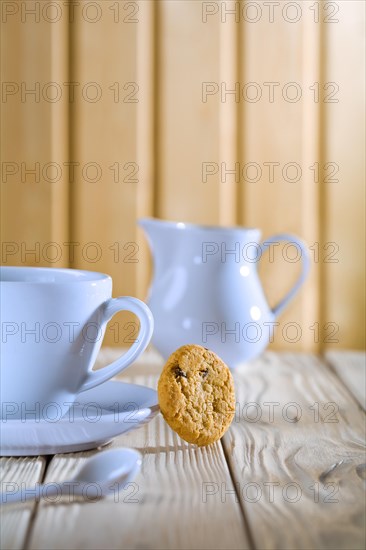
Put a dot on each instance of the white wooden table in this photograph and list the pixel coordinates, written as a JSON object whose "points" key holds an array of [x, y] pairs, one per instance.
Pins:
{"points": [[289, 473]]}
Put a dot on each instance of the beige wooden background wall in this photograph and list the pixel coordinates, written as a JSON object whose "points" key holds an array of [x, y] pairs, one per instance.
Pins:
{"points": [[120, 129]]}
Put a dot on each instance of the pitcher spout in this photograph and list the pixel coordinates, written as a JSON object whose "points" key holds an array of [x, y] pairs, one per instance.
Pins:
{"points": [[146, 223], [155, 234], [152, 229]]}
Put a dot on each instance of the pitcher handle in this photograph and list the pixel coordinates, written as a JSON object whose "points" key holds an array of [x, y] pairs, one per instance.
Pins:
{"points": [[305, 258]]}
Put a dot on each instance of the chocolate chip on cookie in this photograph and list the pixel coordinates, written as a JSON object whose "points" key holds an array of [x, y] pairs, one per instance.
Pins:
{"points": [[196, 394]]}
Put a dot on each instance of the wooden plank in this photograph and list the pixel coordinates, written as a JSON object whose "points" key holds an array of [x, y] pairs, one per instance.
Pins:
{"points": [[344, 197], [228, 123], [189, 123], [112, 132], [146, 140], [16, 518], [172, 510], [301, 470], [34, 135], [278, 61], [351, 369]]}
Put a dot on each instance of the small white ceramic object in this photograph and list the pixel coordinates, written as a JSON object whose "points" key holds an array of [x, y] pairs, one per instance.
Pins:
{"points": [[98, 415], [102, 471], [53, 322], [206, 289]]}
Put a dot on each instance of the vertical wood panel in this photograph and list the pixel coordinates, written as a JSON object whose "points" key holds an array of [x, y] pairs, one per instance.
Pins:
{"points": [[34, 133], [189, 53], [344, 200], [146, 132], [169, 49], [228, 121], [104, 135], [277, 129], [115, 131], [309, 299]]}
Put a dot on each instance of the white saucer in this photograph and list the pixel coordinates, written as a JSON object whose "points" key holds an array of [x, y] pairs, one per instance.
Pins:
{"points": [[102, 413]]}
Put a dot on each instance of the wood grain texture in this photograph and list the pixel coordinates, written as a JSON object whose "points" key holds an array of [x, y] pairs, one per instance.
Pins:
{"points": [[169, 49], [301, 471], [344, 197], [309, 474], [146, 134], [278, 62], [188, 127], [228, 121], [166, 507], [34, 137], [350, 366], [115, 134], [15, 519]]}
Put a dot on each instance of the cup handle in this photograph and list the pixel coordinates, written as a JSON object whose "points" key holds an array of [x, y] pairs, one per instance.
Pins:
{"points": [[305, 258], [112, 306]]}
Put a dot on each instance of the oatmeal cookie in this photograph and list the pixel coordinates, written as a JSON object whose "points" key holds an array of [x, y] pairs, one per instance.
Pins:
{"points": [[196, 394]]}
